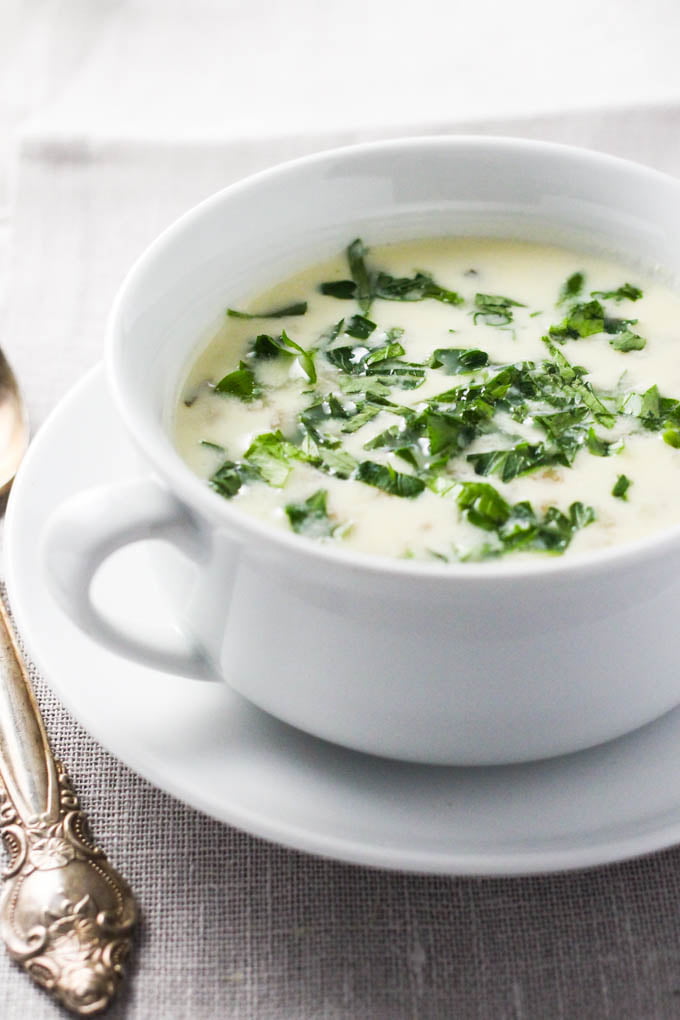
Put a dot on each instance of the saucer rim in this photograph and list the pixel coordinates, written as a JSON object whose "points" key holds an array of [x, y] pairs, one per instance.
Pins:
{"points": [[476, 862]]}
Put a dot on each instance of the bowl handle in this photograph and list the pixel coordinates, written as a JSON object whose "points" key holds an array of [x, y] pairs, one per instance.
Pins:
{"points": [[84, 531]]}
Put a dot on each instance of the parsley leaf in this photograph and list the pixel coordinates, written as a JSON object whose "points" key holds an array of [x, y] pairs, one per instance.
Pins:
{"points": [[600, 447], [273, 457], [457, 361], [359, 327], [626, 292], [483, 505], [266, 346], [229, 478], [518, 460], [627, 341], [367, 284], [584, 319], [338, 463], [587, 318], [518, 527], [383, 476], [344, 289], [240, 383], [415, 288], [297, 308], [311, 516], [356, 256], [621, 487], [494, 309], [571, 288], [383, 362], [572, 377], [672, 437]]}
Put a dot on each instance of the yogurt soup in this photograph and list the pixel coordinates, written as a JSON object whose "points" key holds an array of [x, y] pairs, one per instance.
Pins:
{"points": [[448, 400]]}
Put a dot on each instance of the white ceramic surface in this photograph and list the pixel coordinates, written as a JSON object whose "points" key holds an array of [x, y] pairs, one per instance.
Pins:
{"points": [[205, 744], [466, 664]]}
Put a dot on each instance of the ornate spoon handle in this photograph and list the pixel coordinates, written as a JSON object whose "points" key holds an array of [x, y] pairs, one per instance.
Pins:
{"points": [[65, 913]]}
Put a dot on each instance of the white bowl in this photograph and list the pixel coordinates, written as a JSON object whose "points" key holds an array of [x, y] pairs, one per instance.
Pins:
{"points": [[465, 664]]}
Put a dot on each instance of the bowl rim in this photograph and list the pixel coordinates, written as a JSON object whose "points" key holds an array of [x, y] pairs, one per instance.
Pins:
{"points": [[193, 491]]}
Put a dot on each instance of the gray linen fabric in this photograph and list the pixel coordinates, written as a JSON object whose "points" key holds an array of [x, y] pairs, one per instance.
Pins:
{"points": [[233, 926], [236, 927]]}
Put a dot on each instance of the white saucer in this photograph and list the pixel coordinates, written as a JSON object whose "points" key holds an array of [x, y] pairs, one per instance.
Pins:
{"points": [[207, 746]]}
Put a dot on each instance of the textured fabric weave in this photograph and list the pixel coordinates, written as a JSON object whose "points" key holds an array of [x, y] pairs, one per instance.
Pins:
{"points": [[233, 926]]}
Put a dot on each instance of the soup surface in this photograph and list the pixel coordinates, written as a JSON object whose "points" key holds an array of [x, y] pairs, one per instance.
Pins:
{"points": [[449, 400]]}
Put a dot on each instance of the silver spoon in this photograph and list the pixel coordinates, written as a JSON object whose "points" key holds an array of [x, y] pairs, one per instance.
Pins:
{"points": [[14, 430], [65, 914]]}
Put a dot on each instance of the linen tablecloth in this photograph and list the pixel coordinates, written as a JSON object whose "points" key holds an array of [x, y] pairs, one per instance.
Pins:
{"points": [[233, 926]]}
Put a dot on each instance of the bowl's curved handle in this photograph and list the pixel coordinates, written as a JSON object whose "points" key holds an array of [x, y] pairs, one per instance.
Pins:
{"points": [[87, 529]]}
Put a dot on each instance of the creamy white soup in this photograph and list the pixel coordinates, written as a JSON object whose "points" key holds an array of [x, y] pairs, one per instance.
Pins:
{"points": [[446, 400]]}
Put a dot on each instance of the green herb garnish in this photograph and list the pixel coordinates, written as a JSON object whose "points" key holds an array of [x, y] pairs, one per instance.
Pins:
{"points": [[584, 319], [356, 257], [297, 308], [266, 346], [240, 383], [272, 457], [621, 487], [367, 284], [383, 476], [600, 447], [587, 318], [672, 437], [357, 367], [344, 289], [519, 527], [413, 288], [508, 464], [359, 327], [311, 516], [571, 288], [627, 341], [626, 292], [229, 478], [572, 378], [494, 309], [384, 362], [458, 361]]}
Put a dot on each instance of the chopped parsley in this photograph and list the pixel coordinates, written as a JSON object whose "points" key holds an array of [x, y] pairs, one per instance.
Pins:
{"points": [[346, 290], [517, 526], [265, 346], [367, 284], [499, 419], [494, 309], [311, 516], [297, 308], [625, 292], [457, 361], [240, 383], [383, 476], [272, 457], [621, 487], [414, 288], [588, 318], [572, 287], [229, 478], [627, 341], [359, 327]]}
